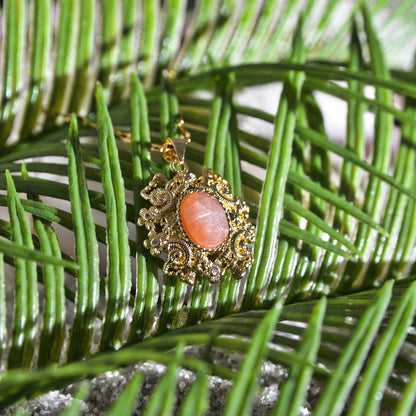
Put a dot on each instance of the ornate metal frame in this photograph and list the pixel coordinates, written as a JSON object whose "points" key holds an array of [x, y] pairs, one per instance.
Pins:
{"points": [[185, 258]]}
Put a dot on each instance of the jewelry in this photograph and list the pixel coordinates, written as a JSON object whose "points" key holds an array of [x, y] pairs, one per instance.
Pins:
{"points": [[197, 222]]}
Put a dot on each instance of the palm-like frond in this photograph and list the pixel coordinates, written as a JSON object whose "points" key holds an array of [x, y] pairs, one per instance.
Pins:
{"points": [[344, 328], [315, 236]]}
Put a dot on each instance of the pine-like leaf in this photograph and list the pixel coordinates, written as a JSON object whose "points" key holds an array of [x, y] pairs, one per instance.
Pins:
{"points": [[77, 288]]}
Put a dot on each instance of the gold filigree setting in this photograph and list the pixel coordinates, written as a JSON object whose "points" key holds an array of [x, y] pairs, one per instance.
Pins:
{"points": [[185, 258]]}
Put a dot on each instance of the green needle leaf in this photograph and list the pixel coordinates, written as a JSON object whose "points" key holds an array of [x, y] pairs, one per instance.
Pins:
{"points": [[26, 294], [86, 248], [119, 272], [13, 53], [74, 409], [147, 291], [276, 176], [127, 400], [196, 400], [293, 392], [3, 309], [22, 252], [346, 372], [41, 41], [163, 397], [241, 395], [381, 361], [69, 21]]}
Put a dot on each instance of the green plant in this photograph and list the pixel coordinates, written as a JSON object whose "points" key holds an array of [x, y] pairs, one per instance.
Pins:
{"points": [[350, 239]]}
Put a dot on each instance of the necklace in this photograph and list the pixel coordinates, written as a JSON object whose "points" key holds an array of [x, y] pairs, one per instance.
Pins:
{"points": [[203, 229]]}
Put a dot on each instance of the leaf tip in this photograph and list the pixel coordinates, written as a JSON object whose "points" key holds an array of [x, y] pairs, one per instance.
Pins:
{"points": [[10, 183], [100, 94], [73, 126]]}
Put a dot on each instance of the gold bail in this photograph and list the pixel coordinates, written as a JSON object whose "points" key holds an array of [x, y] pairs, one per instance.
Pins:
{"points": [[173, 149]]}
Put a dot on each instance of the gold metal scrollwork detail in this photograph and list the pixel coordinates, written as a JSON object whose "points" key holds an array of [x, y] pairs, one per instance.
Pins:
{"points": [[166, 233]]}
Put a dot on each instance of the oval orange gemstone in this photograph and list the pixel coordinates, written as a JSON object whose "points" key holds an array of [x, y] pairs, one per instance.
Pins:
{"points": [[204, 220]]}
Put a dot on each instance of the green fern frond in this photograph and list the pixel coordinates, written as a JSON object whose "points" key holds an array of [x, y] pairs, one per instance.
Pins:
{"points": [[341, 229]]}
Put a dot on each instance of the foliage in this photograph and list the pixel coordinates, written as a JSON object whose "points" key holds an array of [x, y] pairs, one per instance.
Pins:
{"points": [[330, 295]]}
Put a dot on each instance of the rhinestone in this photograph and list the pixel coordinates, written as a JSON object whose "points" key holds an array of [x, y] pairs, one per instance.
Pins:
{"points": [[215, 271]]}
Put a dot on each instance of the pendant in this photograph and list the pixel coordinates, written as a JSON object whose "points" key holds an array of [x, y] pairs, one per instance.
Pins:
{"points": [[196, 221]]}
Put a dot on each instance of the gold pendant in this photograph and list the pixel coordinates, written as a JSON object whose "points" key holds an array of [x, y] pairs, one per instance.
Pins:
{"points": [[203, 229]]}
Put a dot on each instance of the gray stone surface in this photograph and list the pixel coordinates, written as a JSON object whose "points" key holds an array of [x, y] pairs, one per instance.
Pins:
{"points": [[106, 388]]}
